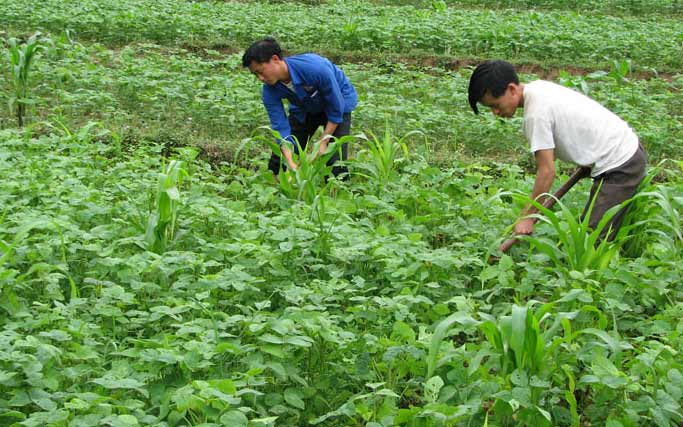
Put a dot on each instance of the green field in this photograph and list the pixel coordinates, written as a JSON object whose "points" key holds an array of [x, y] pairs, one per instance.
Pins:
{"points": [[153, 273]]}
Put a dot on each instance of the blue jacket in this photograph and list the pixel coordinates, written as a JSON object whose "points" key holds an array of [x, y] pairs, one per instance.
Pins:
{"points": [[319, 87]]}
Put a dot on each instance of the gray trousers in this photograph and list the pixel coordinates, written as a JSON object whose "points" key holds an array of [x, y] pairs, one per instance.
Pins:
{"points": [[616, 185]]}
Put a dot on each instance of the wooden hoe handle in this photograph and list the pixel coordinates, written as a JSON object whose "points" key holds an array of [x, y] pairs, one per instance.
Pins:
{"points": [[578, 174]]}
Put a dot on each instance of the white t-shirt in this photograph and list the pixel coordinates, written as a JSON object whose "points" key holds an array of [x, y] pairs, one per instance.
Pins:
{"points": [[579, 129]]}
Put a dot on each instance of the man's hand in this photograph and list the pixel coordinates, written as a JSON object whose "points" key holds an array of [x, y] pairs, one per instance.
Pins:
{"points": [[288, 156], [330, 127], [323, 147], [545, 174], [524, 226]]}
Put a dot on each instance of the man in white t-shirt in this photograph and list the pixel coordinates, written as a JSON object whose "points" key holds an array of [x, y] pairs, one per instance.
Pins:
{"points": [[560, 122]]}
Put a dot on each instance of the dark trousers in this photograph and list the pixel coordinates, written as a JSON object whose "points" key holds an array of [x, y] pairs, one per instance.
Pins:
{"points": [[616, 185], [305, 131]]}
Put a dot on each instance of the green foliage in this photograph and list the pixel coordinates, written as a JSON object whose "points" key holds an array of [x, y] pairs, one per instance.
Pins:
{"points": [[380, 158], [250, 304], [618, 7], [556, 37], [654, 218], [312, 173], [527, 359], [161, 225], [581, 249], [21, 57], [132, 295], [174, 97]]}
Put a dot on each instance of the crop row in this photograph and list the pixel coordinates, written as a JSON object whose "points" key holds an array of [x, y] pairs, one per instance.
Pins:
{"points": [[609, 7], [208, 99], [555, 38], [620, 7]]}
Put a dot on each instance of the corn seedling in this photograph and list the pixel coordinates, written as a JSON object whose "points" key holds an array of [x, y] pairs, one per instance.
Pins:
{"points": [[527, 352], [580, 247], [324, 220], [621, 71], [656, 211], [518, 339], [311, 176], [382, 155], [21, 56], [641, 215], [162, 221]]}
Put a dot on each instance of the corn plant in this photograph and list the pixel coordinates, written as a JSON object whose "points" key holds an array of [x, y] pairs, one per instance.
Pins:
{"points": [[669, 220], [528, 345], [21, 57], [523, 354], [382, 155], [621, 71], [580, 247], [162, 220], [656, 215], [325, 220], [312, 173], [518, 338]]}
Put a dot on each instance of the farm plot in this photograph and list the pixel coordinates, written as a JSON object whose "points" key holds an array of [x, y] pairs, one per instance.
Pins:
{"points": [[153, 273]]}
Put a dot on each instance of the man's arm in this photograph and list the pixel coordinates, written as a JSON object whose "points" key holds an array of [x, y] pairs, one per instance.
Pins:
{"points": [[280, 123], [334, 104], [545, 175]]}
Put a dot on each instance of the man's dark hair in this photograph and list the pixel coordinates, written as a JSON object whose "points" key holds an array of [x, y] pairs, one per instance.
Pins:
{"points": [[261, 51], [490, 76]]}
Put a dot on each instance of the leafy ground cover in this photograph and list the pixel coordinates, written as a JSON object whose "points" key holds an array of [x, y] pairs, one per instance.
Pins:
{"points": [[176, 97], [152, 272], [369, 304], [610, 7], [552, 37]]}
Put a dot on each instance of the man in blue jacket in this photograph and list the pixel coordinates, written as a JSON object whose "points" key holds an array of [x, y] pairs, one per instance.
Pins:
{"points": [[319, 94]]}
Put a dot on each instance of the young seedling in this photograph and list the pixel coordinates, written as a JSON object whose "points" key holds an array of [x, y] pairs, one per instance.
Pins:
{"points": [[575, 177], [21, 56]]}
